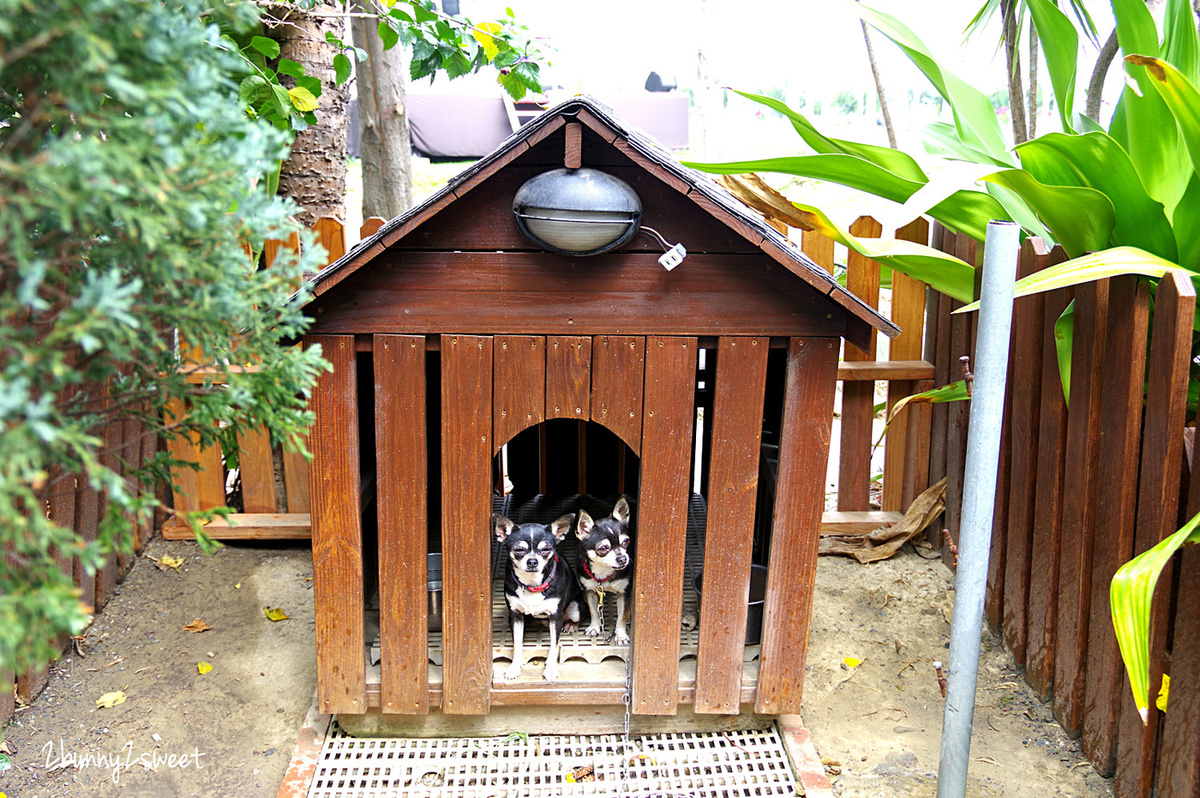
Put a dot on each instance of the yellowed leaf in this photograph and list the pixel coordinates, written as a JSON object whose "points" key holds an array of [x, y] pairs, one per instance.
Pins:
{"points": [[238, 586], [109, 700], [171, 562], [852, 662], [197, 625], [1163, 694], [275, 613], [203, 667], [302, 99], [482, 34]]}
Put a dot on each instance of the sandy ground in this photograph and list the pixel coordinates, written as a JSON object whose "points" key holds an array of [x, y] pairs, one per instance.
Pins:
{"points": [[877, 726]]}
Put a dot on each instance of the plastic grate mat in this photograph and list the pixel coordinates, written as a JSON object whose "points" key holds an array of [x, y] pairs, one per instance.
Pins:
{"points": [[696, 765], [544, 509]]}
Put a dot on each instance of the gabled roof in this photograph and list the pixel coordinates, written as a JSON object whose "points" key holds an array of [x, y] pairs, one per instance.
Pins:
{"points": [[644, 151]]}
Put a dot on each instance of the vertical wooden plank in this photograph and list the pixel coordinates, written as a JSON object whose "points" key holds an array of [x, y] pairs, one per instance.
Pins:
{"points": [[1046, 539], [568, 377], [1078, 514], [618, 366], [370, 226], [962, 343], [337, 531], [1120, 426], [573, 153], [937, 352], [519, 385], [799, 501], [663, 501], [1157, 510], [331, 234], [401, 477], [733, 491], [1028, 327], [1179, 753], [466, 527], [819, 248], [908, 312], [296, 482], [858, 397], [257, 470]]}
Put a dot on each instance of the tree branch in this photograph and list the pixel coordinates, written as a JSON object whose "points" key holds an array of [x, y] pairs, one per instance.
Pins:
{"points": [[1096, 85]]}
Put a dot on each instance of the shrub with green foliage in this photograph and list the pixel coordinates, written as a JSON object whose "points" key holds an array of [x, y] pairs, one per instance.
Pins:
{"points": [[127, 210]]}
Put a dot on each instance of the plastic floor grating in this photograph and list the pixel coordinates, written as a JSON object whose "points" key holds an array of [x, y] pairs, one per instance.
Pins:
{"points": [[697, 765]]}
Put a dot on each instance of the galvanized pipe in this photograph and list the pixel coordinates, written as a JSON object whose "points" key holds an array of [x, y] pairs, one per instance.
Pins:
{"points": [[1000, 250]]}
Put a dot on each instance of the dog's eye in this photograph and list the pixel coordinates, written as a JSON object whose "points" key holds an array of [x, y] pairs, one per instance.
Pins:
{"points": [[624, 543], [544, 548], [603, 549], [520, 549]]}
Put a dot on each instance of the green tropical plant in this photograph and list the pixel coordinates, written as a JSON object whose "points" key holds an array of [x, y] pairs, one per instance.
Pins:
{"points": [[1120, 200], [126, 160]]}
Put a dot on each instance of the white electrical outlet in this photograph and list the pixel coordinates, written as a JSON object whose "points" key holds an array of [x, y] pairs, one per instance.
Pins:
{"points": [[673, 257]]}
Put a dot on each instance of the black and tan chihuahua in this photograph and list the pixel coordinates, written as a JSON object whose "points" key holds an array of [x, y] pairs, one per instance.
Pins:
{"points": [[606, 565], [537, 583]]}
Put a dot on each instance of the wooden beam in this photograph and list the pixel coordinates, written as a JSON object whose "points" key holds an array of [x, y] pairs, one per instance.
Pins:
{"points": [[800, 497], [466, 523], [337, 531], [402, 476], [736, 421], [618, 366], [871, 370], [663, 500], [518, 385], [247, 526]]}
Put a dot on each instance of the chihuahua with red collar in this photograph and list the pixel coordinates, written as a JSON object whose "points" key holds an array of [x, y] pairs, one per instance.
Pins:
{"points": [[538, 583], [606, 565]]}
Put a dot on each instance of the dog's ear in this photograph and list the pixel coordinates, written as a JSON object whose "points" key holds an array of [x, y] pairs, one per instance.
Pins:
{"points": [[562, 526], [502, 526], [585, 525], [621, 511]]}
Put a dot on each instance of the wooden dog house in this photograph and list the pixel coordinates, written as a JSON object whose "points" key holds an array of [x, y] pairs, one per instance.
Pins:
{"points": [[450, 334]]}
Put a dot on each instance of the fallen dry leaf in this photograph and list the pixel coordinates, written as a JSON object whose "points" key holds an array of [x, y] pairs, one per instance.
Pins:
{"points": [[275, 614], [852, 662], [171, 562], [109, 700], [203, 667], [196, 626]]}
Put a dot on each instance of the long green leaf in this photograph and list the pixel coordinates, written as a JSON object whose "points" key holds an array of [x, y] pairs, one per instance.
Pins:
{"points": [[1142, 123], [897, 162], [1130, 597], [973, 113], [1186, 223], [1096, 266], [849, 170], [968, 211], [1019, 211], [1181, 45], [1181, 98], [1064, 346], [1080, 218], [1097, 161], [1060, 47], [943, 272], [942, 139]]}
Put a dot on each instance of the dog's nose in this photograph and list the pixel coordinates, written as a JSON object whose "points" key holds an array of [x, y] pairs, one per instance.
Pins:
{"points": [[531, 564], [623, 560]]}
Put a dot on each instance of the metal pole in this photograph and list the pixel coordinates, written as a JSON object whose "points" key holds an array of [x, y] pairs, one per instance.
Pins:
{"points": [[1000, 249]]}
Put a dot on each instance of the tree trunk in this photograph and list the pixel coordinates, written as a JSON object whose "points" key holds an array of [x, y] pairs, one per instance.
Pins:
{"points": [[1016, 93], [1033, 81], [883, 106], [383, 123], [314, 174]]}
